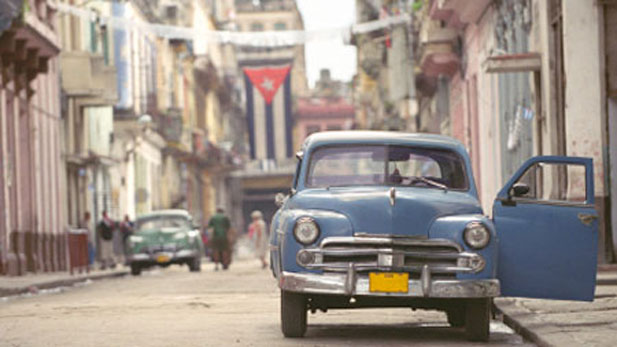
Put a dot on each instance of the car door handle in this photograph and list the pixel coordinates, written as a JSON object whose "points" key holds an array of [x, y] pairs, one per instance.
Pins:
{"points": [[587, 218]]}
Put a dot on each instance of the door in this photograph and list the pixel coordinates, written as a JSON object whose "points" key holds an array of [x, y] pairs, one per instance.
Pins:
{"points": [[548, 230]]}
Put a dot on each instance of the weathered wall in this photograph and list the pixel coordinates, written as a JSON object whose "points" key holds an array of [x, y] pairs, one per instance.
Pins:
{"points": [[585, 110]]}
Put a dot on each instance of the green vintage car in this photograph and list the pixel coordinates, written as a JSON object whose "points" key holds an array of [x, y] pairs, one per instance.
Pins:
{"points": [[162, 238]]}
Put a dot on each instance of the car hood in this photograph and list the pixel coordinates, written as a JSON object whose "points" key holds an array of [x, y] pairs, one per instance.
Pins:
{"points": [[370, 209]]}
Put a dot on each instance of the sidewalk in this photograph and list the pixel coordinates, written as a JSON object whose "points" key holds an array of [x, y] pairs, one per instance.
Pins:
{"points": [[33, 283], [566, 323]]}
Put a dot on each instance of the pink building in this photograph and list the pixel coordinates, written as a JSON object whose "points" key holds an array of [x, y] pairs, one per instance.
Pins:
{"points": [[315, 114], [32, 237], [493, 75]]}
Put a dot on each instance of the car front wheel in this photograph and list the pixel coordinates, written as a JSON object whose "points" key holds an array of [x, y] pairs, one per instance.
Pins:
{"points": [[195, 264], [135, 269], [293, 314], [478, 319], [456, 317]]}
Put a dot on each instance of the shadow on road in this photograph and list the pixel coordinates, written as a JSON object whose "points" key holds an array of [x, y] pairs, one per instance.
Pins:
{"points": [[411, 333]]}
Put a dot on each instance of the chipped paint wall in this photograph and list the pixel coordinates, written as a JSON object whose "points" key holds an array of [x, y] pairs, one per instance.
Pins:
{"points": [[585, 101], [585, 108]]}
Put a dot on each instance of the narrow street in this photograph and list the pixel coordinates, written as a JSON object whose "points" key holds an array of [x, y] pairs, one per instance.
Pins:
{"points": [[173, 307]]}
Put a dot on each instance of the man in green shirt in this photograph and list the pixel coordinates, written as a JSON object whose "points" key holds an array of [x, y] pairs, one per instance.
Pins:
{"points": [[220, 225]]}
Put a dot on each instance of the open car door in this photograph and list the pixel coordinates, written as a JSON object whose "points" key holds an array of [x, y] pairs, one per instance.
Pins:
{"points": [[548, 230]]}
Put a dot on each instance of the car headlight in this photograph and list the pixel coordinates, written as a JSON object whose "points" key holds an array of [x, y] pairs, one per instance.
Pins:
{"points": [[306, 230], [193, 234], [476, 235]]}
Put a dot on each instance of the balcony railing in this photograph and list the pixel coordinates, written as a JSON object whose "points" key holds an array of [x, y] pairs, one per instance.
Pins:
{"points": [[264, 6]]}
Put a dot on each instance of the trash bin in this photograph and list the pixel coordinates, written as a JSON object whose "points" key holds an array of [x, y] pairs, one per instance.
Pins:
{"points": [[78, 250]]}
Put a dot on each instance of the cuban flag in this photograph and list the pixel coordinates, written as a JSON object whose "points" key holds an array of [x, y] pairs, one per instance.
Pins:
{"points": [[269, 114]]}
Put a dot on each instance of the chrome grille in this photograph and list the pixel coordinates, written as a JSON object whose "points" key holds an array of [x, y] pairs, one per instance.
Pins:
{"points": [[383, 253], [162, 248]]}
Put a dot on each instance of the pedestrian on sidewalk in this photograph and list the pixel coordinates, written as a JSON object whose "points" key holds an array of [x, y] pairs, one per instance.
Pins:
{"points": [[259, 231], [205, 239], [105, 231], [85, 224], [220, 226], [126, 230]]}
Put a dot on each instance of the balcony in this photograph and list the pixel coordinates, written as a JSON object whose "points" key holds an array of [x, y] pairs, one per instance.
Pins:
{"points": [[86, 75], [438, 52], [446, 15], [457, 13], [171, 127], [265, 6]]}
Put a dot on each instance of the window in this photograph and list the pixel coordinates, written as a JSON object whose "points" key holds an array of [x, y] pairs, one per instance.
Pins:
{"points": [[257, 26], [386, 165], [158, 222], [93, 37], [554, 182], [280, 26]]}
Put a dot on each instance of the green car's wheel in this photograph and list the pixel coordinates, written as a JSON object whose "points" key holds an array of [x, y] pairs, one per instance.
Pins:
{"points": [[135, 269], [456, 317], [195, 264], [293, 314], [478, 319]]}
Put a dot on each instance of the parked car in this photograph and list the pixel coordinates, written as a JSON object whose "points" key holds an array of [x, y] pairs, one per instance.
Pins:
{"points": [[379, 219], [162, 238]]}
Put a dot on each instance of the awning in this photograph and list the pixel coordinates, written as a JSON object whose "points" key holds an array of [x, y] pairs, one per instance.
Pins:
{"points": [[519, 62]]}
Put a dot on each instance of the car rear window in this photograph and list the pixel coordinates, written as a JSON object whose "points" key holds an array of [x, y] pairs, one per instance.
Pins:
{"points": [[158, 222]]}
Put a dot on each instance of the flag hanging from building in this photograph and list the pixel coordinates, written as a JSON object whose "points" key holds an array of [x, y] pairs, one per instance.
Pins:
{"points": [[268, 108]]}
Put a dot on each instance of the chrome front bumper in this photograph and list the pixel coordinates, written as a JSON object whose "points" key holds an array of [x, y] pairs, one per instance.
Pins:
{"points": [[346, 261], [152, 258], [351, 284]]}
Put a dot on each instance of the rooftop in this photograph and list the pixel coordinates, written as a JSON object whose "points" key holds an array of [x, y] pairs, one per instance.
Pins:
{"points": [[324, 107]]}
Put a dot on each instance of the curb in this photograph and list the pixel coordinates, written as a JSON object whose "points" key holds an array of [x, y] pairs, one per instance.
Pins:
{"points": [[606, 281], [607, 267], [520, 328], [5, 292]]}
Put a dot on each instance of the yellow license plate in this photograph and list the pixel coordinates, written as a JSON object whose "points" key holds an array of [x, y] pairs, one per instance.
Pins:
{"points": [[388, 282], [162, 258]]}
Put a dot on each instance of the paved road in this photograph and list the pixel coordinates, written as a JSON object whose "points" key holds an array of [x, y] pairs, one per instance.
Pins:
{"points": [[172, 307]]}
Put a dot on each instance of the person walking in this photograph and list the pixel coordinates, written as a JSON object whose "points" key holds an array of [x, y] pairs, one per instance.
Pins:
{"points": [[259, 231], [105, 230], [220, 225], [85, 224], [126, 230]]}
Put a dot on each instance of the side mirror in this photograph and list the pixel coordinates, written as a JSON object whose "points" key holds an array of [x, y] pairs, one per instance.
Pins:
{"points": [[519, 189], [279, 199]]}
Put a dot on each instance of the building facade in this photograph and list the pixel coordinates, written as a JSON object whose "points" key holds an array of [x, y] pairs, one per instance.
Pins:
{"points": [[97, 115], [88, 84], [32, 230], [513, 79], [384, 88], [273, 78], [328, 108]]}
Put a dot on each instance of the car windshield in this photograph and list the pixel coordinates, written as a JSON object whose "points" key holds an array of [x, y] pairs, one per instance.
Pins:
{"points": [[386, 165], [158, 222]]}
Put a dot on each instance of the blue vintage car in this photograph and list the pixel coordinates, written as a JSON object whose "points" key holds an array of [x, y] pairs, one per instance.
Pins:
{"points": [[380, 219]]}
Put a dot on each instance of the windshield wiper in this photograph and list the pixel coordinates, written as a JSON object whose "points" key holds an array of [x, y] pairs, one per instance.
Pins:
{"points": [[431, 182]]}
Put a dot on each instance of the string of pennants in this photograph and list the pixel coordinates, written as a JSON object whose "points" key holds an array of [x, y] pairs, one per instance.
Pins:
{"points": [[255, 39]]}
